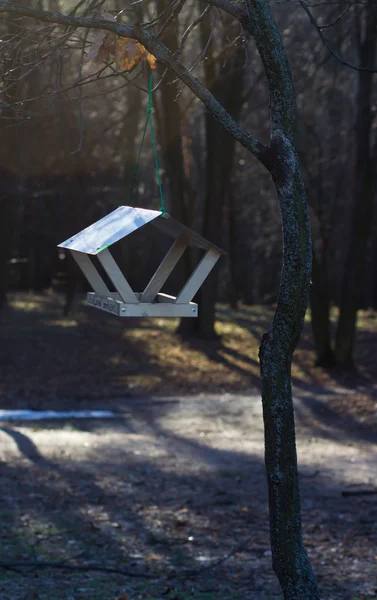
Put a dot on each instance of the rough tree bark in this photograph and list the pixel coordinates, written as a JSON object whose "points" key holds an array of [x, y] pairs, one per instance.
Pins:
{"points": [[290, 561]]}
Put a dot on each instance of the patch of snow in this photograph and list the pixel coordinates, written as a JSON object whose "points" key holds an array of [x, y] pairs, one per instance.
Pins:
{"points": [[39, 415]]}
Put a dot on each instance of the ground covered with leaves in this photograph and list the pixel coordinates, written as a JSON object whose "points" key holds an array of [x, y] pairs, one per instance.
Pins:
{"points": [[170, 496], [47, 359]]}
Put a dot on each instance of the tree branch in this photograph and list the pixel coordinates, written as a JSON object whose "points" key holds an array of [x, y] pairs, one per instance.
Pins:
{"points": [[261, 25], [235, 10], [340, 17], [155, 47], [327, 45]]}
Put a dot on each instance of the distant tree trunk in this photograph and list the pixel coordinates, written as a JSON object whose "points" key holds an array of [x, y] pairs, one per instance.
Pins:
{"points": [[319, 290], [374, 161], [9, 148], [226, 84], [363, 202], [170, 127], [320, 313], [129, 152], [233, 254], [4, 229], [289, 558]]}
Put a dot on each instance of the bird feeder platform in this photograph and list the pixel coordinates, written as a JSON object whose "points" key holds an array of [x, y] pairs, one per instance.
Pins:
{"points": [[96, 240]]}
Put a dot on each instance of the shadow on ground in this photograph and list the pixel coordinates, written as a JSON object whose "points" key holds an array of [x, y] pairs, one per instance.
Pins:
{"points": [[158, 504]]}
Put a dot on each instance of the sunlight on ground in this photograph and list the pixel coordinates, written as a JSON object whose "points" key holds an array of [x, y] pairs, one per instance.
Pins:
{"points": [[147, 356], [61, 323], [25, 305], [366, 319]]}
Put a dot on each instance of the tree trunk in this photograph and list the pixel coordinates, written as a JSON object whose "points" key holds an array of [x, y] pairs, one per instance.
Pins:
{"points": [[319, 290], [226, 84], [290, 561], [4, 248], [320, 313], [233, 254], [363, 206], [170, 129]]}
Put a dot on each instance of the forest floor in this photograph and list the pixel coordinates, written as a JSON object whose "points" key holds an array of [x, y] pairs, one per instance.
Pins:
{"points": [[172, 491]]}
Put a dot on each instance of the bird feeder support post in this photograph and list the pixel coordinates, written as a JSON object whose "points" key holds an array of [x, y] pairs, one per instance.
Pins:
{"points": [[120, 282], [166, 267], [198, 276], [90, 272]]}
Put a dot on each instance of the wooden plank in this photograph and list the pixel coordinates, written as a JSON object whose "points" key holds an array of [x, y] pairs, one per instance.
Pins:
{"points": [[165, 298], [158, 309], [166, 267], [90, 272], [103, 303], [115, 296], [198, 276], [164, 310], [121, 284]]}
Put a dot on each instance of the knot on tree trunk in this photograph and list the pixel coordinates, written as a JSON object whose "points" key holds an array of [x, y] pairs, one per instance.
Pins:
{"points": [[280, 158]]}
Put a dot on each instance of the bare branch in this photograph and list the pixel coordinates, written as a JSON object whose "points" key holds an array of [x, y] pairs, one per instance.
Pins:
{"points": [[235, 10], [189, 30], [340, 17], [177, 8], [327, 45], [155, 47]]}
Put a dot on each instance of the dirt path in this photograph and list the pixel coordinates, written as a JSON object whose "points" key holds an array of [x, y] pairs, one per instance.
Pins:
{"points": [[175, 483]]}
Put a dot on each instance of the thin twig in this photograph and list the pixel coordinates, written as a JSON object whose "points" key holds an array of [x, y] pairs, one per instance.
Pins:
{"points": [[159, 50], [219, 562], [79, 101], [327, 45], [174, 13], [189, 30], [350, 4]]}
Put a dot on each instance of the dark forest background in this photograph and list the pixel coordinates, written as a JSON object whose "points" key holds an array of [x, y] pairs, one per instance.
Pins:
{"points": [[71, 133]]}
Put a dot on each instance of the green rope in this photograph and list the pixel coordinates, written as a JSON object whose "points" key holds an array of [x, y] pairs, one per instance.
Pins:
{"points": [[149, 120]]}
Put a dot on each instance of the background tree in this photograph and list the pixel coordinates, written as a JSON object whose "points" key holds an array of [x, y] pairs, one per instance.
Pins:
{"points": [[362, 214], [290, 560], [81, 121]]}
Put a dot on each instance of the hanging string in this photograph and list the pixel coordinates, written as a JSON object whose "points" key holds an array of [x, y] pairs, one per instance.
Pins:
{"points": [[150, 122]]}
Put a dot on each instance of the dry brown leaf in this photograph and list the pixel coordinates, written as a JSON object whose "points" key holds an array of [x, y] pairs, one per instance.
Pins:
{"points": [[125, 51], [103, 47], [152, 60], [129, 53]]}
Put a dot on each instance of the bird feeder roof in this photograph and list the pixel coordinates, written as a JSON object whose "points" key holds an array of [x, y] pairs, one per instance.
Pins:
{"points": [[123, 221]]}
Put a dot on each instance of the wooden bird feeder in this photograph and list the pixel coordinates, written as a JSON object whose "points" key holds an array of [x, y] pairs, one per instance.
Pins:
{"points": [[96, 239]]}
